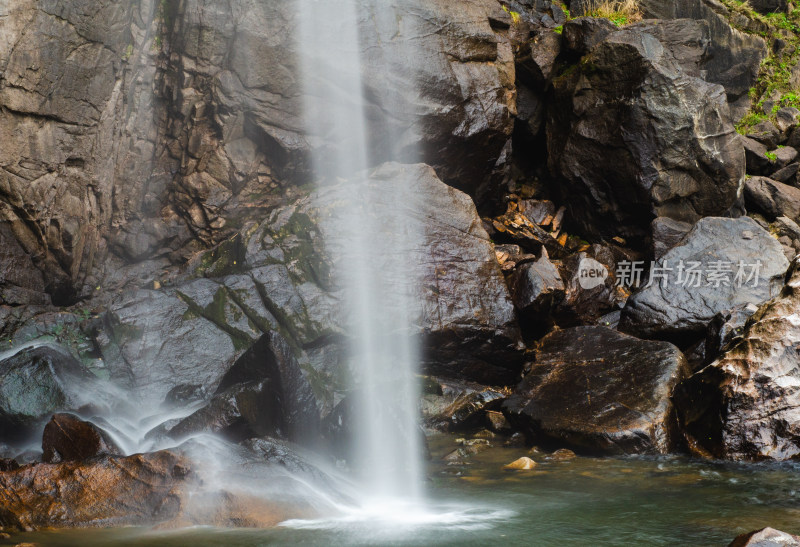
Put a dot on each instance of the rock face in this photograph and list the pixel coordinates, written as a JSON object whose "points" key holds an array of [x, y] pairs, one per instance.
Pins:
{"points": [[68, 438], [679, 164], [147, 132], [596, 390], [274, 280], [36, 382], [732, 58], [713, 250], [745, 404]]}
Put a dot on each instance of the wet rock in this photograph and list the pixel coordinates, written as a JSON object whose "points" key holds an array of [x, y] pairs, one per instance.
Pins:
{"points": [[462, 336], [686, 39], [734, 57], [271, 358], [497, 421], [468, 411], [662, 162], [34, 383], [110, 491], [667, 233], [562, 454], [725, 328], [772, 198], [718, 251], [68, 438], [745, 405], [539, 68], [185, 394], [155, 340], [242, 411], [597, 390], [522, 464], [583, 33], [536, 287], [766, 537], [8, 464], [591, 287]]}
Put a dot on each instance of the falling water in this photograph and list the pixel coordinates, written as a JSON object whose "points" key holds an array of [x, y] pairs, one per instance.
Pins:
{"points": [[373, 248]]}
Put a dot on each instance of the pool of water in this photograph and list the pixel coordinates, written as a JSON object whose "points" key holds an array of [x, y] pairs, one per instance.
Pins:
{"points": [[581, 501]]}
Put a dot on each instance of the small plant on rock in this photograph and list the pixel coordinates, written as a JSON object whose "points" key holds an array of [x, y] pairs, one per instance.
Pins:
{"points": [[619, 12]]}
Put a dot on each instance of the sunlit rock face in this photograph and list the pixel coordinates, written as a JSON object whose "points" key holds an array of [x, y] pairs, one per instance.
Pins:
{"points": [[745, 405]]}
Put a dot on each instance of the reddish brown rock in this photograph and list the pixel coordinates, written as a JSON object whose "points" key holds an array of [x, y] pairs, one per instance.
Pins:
{"points": [[67, 438]]}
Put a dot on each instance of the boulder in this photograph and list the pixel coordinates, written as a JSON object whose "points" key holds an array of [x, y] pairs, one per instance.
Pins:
{"points": [[68, 438], [772, 198], [734, 57], [110, 491], [766, 133], [787, 175], [241, 411], [720, 264], [591, 287], [745, 405], [624, 162], [460, 302], [37, 381], [597, 390], [536, 287], [756, 157], [666, 233], [468, 411], [726, 327], [769, 6], [155, 340], [164, 488], [766, 537], [537, 70], [583, 33], [271, 358]]}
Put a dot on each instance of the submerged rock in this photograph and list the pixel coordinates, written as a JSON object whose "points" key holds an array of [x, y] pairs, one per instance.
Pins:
{"points": [[720, 264], [597, 390], [745, 405], [68, 438], [522, 464]]}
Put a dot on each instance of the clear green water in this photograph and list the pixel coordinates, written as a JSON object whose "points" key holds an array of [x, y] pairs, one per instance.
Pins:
{"points": [[583, 501]]}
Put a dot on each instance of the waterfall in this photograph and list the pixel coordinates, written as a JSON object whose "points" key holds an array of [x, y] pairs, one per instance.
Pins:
{"points": [[373, 251]]}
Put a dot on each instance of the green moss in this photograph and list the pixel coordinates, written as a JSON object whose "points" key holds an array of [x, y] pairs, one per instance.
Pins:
{"points": [[227, 258], [216, 312], [771, 156], [559, 29]]}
